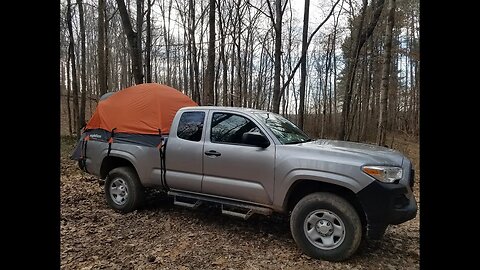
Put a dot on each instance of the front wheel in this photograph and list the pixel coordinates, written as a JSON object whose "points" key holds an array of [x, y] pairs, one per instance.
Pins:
{"points": [[326, 226], [123, 190]]}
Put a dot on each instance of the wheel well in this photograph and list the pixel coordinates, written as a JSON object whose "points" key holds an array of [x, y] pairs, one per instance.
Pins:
{"points": [[302, 188], [109, 163]]}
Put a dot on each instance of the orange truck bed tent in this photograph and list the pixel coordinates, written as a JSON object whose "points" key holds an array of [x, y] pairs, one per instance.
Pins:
{"points": [[140, 109]]}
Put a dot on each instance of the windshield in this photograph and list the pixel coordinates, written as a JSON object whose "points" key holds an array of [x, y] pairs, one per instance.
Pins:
{"points": [[285, 131]]}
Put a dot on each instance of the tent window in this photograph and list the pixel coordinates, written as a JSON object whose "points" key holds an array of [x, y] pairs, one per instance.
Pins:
{"points": [[191, 126]]}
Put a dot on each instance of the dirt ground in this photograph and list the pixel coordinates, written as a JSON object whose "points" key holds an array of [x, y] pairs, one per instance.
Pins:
{"points": [[164, 236]]}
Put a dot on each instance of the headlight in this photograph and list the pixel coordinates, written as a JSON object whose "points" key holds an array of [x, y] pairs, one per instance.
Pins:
{"points": [[385, 174]]}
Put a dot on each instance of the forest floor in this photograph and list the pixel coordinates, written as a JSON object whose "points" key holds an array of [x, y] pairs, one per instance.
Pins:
{"points": [[164, 236]]}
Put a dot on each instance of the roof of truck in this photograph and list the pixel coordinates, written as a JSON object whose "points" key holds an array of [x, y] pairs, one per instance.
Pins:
{"points": [[243, 109]]}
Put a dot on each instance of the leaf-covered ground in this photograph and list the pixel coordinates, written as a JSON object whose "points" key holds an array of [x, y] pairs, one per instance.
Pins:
{"points": [[164, 236]]}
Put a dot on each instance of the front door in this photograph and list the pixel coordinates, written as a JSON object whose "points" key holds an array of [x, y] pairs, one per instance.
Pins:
{"points": [[232, 169]]}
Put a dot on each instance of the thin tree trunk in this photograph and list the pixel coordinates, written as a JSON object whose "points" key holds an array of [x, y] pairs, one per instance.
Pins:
{"points": [[303, 68], [148, 43], [71, 47], [208, 93], [69, 82], [102, 67], [139, 21], [166, 38], [134, 38], [186, 48], [277, 53], [81, 116], [382, 120], [327, 70], [232, 71], [194, 60], [223, 59]]}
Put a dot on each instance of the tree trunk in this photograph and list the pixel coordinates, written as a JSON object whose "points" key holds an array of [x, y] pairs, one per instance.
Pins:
{"points": [[81, 115], [232, 70], [223, 59], [208, 93], [303, 68], [71, 49], [277, 55], [148, 44], [102, 65], [166, 38], [69, 82], [382, 120], [194, 60], [327, 70], [358, 42], [134, 38]]}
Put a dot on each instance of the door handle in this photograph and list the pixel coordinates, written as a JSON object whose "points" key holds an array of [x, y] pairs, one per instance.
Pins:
{"points": [[213, 153]]}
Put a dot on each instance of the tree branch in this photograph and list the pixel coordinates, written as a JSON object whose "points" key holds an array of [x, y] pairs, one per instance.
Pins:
{"points": [[271, 12], [261, 11], [284, 7], [290, 77]]}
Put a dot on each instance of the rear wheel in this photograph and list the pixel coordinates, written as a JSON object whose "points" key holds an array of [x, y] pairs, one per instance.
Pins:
{"points": [[326, 226], [123, 190]]}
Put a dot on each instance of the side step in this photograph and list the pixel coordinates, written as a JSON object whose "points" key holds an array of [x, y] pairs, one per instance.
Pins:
{"points": [[192, 205], [228, 207], [235, 212]]}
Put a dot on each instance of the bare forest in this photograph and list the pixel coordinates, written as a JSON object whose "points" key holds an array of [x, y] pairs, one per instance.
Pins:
{"points": [[339, 69], [349, 71]]}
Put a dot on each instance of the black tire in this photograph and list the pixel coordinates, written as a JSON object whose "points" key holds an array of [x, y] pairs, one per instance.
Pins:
{"points": [[324, 206], [124, 179]]}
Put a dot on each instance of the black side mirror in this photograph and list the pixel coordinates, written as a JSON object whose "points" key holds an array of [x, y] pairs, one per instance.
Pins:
{"points": [[255, 138]]}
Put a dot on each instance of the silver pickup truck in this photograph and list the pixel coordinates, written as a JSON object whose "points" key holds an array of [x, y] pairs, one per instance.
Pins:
{"points": [[250, 161]]}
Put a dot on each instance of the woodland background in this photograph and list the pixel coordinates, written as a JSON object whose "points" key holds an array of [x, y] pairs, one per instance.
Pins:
{"points": [[349, 70]]}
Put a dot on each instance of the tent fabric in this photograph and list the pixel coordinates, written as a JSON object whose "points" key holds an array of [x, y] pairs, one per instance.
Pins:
{"points": [[140, 109]]}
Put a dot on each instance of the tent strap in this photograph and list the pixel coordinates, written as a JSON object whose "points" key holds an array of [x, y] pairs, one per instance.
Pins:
{"points": [[163, 169], [110, 141]]}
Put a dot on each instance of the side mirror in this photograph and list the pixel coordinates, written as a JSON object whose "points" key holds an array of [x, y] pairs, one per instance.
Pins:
{"points": [[255, 138]]}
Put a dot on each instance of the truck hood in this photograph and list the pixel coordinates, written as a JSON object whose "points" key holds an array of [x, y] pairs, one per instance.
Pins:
{"points": [[373, 154]]}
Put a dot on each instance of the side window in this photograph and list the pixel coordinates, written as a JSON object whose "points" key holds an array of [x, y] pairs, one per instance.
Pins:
{"points": [[191, 126], [229, 128]]}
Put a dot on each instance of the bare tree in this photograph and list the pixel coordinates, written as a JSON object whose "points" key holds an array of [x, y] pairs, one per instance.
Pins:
{"points": [[277, 26], [148, 42], [165, 12], [210, 72], [361, 37], [134, 38], [303, 70], [382, 120], [194, 81], [102, 65], [71, 49], [81, 115]]}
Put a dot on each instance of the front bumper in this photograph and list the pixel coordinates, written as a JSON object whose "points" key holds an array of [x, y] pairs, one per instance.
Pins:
{"points": [[386, 204]]}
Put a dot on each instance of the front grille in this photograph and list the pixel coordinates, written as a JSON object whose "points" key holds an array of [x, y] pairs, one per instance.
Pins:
{"points": [[412, 178]]}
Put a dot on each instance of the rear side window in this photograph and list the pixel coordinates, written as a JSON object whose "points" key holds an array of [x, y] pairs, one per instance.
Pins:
{"points": [[191, 126], [229, 128]]}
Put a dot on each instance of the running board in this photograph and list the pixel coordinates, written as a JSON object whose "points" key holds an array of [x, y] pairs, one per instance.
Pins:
{"points": [[228, 207], [237, 213], [193, 205]]}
